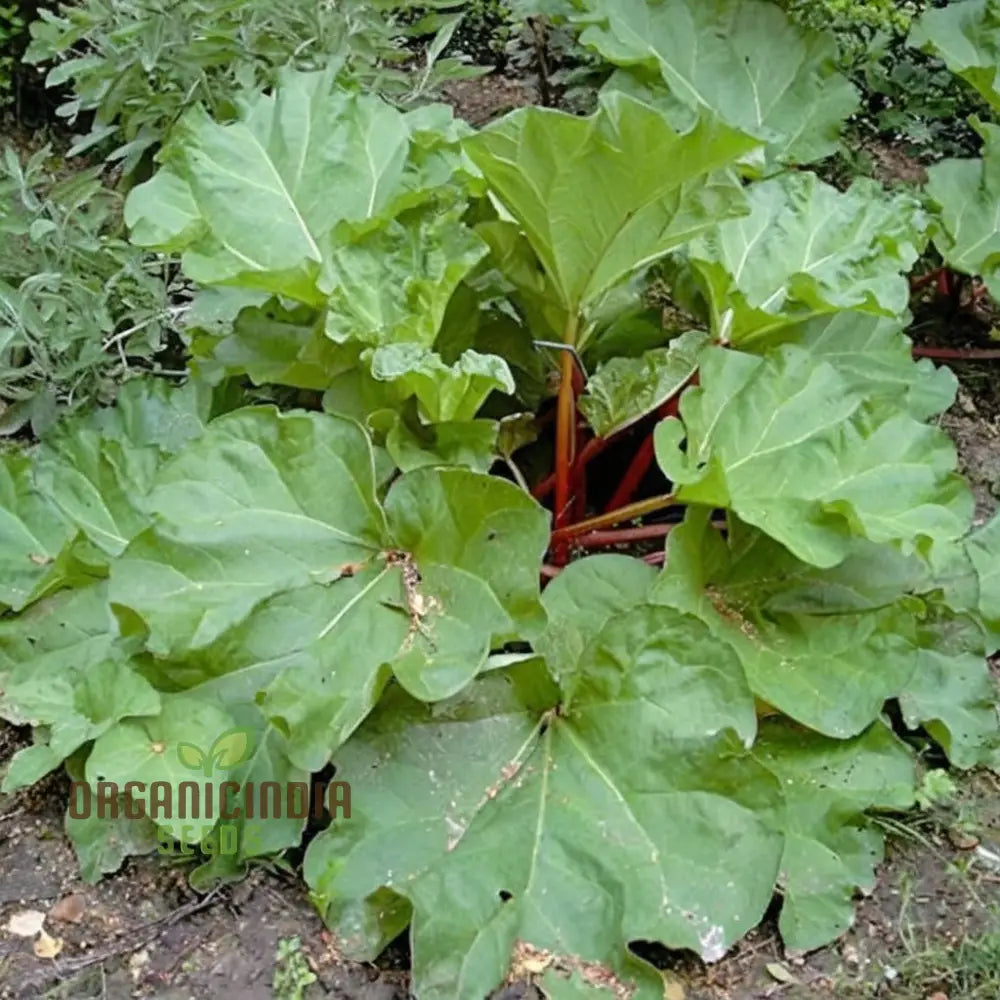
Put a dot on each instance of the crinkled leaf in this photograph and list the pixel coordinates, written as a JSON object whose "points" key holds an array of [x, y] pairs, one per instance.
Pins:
{"points": [[830, 847], [783, 443], [983, 549], [742, 60], [513, 828], [624, 390], [151, 412], [444, 392], [33, 535], [966, 194], [265, 504], [98, 468], [582, 599], [262, 503], [952, 693], [592, 196], [274, 344], [146, 750], [875, 359], [599, 620], [303, 159], [966, 37], [393, 285], [356, 394], [469, 444], [64, 670], [825, 648], [806, 249]]}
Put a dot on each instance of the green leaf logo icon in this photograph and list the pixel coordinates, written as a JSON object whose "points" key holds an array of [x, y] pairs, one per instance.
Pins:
{"points": [[228, 751], [191, 756]]}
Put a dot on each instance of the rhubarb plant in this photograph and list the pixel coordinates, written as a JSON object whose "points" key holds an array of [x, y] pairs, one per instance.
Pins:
{"points": [[540, 776]]}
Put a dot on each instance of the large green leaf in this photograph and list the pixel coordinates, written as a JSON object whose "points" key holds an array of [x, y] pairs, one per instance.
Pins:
{"points": [[952, 693], [624, 390], [742, 60], [255, 203], [266, 503], [875, 359], [826, 648], [393, 285], [33, 535], [830, 847], [966, 37], [784, 443], [600, 619], [97, 468], [512, 829], [148, 749], [65, 670], [444, 392], [806, 249], [983, 549], [271, 343], [966, 194], [592, 195]]}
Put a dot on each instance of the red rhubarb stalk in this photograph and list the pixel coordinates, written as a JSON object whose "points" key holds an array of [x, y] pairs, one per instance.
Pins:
{"points": [[958, 353], [647, 452], [623, 536], [613, 517], [565, 438]]}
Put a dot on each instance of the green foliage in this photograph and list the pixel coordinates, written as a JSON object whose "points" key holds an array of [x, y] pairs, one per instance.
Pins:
{"points": [[964, 193], [79, 306], [786, 90], [908, 95], [291, 971], [855, 16], [138, 65], [965, 36], [11, 33], [538, 779]]}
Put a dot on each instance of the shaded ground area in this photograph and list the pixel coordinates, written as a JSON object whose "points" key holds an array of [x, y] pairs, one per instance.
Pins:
{"points": [[144, 933]]}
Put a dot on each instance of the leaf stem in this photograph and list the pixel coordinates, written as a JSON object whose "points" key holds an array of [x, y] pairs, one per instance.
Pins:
{"points": [[622, 536], [958, 353], [633, 510], [565, 435], [647, 451]]}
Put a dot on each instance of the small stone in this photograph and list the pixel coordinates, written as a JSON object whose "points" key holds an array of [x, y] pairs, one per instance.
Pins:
{"points": [[69, 909], [962, 840]]}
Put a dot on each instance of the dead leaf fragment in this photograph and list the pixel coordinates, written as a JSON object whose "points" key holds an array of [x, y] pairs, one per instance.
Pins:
{"points": [[137, 963], [962, 840], [673, 989], [779, 973], [69, 909], [47, 946], [27, 923]]}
